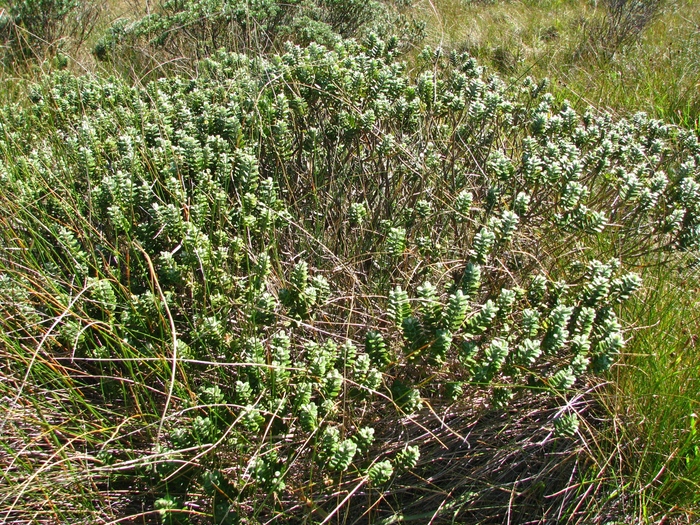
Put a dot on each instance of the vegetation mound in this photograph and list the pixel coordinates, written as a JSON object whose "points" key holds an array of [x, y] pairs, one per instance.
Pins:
{"points": [[255, 277]]}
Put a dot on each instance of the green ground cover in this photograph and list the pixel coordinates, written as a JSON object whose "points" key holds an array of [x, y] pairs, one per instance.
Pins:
{"points": [[260, 265]]}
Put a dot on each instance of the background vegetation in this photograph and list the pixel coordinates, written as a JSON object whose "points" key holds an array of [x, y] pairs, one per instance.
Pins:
{"points": [[254, 271], [620, 56]]}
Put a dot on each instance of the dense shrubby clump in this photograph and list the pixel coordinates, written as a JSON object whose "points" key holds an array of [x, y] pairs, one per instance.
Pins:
{"points": [[28, 27], [306, 247], [187, 29]]}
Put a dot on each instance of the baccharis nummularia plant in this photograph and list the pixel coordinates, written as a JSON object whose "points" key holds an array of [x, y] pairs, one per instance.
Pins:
{"points": [[296, 248]]}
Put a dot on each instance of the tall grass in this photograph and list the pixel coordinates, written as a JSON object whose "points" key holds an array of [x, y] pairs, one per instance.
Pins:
{"points": [[656, 400]]}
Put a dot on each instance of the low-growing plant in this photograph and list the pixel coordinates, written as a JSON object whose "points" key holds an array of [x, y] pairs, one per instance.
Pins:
{"points": [[29, 27], [287, 258], [190, 30]]}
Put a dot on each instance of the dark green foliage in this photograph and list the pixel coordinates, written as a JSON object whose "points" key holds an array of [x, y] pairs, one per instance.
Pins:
{"points": [[566, 425], [407, 458], [481, 322], [429, 306], [456, 311], [408, 399], [303, 294], [380, 472], [398, 308], [494, 358], [267, 471], [376, 348], [557, 332], [483, 243], [364, 438], [343, 456], [440, 346], [396, 242], [471, 279]]}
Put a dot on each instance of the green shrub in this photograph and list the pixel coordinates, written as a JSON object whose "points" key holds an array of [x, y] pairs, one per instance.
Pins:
{"points": [[198, 28], [28, 27], [208, 229], [623, 23]]}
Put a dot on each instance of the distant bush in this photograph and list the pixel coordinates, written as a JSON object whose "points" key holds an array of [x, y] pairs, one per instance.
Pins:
{"points": [[622, 24], [306, 252], [29, 27], [198, 28]]}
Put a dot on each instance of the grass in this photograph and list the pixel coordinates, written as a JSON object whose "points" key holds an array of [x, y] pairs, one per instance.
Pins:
{"points": [[655, 400]]}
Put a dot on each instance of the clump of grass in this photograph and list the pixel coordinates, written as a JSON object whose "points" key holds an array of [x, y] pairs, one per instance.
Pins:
{"points": [[622, 23], [655, 402]]}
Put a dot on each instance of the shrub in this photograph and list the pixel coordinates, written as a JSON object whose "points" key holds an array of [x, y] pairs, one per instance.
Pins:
{"points": [[28, 27], [622, 24], [198, 28], [305, 252]]}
